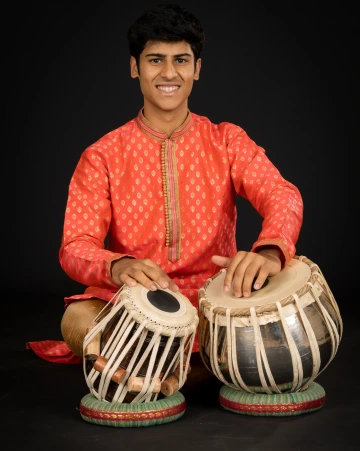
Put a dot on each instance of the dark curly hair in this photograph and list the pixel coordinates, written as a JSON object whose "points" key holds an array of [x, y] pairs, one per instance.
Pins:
{"points": [[166, 23]]}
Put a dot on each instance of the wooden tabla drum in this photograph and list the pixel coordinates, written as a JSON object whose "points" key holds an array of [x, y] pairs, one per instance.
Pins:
{"points": [[137, 356], [269, 348]]}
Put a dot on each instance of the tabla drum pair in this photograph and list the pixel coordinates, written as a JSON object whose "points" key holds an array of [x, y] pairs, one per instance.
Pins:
{"points": [[268, 349], [137, 357]]}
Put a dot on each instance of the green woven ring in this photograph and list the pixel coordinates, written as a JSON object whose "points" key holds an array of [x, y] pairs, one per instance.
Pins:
{"points": [[125, 415], [284, 404]]}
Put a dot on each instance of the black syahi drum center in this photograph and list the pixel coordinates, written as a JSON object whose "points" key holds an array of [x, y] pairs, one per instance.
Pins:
{"points": [[163, 301]]}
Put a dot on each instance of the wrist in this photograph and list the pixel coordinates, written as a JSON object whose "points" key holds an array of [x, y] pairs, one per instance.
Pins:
{"points": [[273, 252], [115, 264]]}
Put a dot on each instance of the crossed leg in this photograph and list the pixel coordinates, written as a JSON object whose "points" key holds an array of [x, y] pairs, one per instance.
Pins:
{"points": [[75, 321]]}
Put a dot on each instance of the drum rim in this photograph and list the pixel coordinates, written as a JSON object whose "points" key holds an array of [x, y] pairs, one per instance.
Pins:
{"points": [[152, 323], [315, 274]]}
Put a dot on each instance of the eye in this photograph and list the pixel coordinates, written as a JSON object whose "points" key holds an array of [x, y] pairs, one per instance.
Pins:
{"points": [[181, 60], [155, 60]]}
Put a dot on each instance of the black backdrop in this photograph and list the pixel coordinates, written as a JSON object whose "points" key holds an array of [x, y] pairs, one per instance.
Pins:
{"points": [[283, 73]]}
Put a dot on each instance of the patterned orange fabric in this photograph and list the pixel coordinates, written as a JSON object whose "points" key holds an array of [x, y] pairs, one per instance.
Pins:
{"points": [[171, 200], [55, 351]]}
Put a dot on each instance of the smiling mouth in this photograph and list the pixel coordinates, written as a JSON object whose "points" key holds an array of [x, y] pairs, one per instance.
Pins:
{"points": [[168, 88]]}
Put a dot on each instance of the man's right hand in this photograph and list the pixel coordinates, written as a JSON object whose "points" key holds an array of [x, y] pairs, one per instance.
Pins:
{"points": [[129, 271]]}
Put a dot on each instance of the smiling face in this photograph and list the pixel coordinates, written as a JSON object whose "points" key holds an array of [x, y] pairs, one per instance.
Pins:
{"points": [[166, 72]]}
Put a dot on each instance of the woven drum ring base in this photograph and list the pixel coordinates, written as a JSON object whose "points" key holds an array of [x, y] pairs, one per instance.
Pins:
{"points": [[140, 414], [283, 404]]}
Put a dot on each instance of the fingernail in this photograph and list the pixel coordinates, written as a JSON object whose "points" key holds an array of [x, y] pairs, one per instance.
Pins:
{"points": [[257, 286], [176, 288], [246, 294], [164, 284], [237, 294], [153, 287], [226, 288]]}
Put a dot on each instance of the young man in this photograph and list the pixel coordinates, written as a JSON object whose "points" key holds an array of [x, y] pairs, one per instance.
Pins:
{"points": [[161, 189]]}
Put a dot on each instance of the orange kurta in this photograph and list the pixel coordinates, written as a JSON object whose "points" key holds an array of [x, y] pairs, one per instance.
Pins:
{"points": [[171, 200]]}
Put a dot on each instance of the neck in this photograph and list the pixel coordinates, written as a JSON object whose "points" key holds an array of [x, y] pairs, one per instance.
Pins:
{"points": [[166, 121]]}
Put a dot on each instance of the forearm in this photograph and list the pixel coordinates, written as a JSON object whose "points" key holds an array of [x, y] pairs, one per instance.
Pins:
{"points": [[88, 264], [283, 216], [277, 200]]}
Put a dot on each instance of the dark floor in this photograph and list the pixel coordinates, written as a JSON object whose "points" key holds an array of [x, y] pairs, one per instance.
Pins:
{"points": [[40, 402]]}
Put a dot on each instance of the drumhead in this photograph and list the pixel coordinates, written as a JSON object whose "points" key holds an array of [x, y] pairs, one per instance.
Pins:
{"points": [[162, 306], [293, 277]]}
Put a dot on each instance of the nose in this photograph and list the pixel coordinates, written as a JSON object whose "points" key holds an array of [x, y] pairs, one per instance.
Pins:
{"points": [[168, 70]]}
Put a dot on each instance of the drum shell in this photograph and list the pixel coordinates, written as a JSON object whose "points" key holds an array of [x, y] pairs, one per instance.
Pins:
{"points": [[275, 344], [125, 361], [135, 345]]}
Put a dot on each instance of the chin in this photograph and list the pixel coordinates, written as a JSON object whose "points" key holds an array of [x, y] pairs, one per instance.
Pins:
{"points": [[170, 106]]}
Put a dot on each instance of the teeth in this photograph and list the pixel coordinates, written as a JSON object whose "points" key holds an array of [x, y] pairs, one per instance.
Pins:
{"points": [[168, 88]]}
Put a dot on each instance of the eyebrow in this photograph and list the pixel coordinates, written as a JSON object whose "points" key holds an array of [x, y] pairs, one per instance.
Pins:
{"points": [[163, 55]]}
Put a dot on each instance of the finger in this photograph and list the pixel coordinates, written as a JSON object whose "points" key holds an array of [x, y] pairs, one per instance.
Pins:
{"points": [[159, 276], [219, 260], [248, 279], [173, 286], [261, 278], [162, 279], [143, 274], [235, 265], [137, 276], [127, 280], [152, 277]]}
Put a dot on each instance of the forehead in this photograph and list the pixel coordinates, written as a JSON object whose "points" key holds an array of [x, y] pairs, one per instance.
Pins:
{"points": [[167, 48]]}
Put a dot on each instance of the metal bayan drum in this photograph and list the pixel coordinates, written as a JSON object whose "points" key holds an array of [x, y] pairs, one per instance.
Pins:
{"points": [[269, 348], [137, 357]]}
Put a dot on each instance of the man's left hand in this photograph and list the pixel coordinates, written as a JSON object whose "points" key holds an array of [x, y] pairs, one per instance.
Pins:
{"points": [[248, 269]]}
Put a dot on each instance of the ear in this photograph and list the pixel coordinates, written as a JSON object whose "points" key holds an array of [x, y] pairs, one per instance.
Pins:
{"points": [[197, 69], [134, 73]]}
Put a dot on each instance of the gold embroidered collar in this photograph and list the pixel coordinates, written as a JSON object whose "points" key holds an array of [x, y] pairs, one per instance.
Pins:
{"points": [[157, 134]]}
